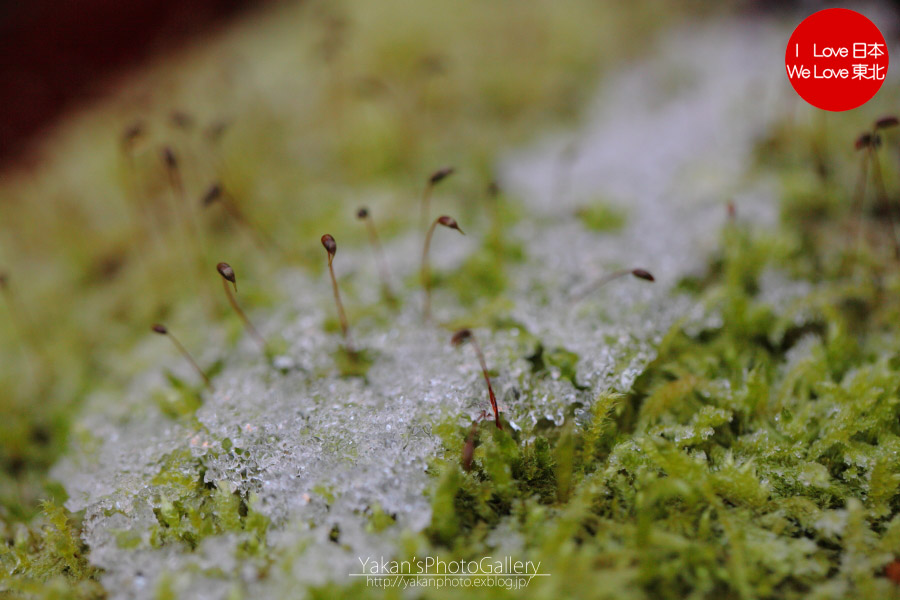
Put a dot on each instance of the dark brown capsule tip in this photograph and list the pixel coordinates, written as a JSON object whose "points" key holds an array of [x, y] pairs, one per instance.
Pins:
{"points": [[441, 174], [642, 274], [215, 131], [863, 141], [493, 189], [132, 132], [362, 213], [212, 194], [226, 271], [181, 119], [886, 122], [449, 222], [160, 329], [329, 243], [461, 336], [169, 157]]}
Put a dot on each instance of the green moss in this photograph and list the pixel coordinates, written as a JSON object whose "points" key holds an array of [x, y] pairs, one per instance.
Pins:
{"points": [[48, 561], [395, 98], [755, 458], [554, 362], [181, 400], [354, 364], [325, 492], [379, 520], [602, 217], [189, 510], [751, 459]]}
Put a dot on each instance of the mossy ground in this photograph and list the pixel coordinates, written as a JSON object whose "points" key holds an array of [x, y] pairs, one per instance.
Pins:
{"points": [[325, 106], [754, 458]]}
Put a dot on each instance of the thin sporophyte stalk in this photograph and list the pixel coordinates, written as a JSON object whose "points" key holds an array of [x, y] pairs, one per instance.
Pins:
{"points": [[636, 273], [869, 142], [364, 215], [228, 276], [216, 194], [163, 330], [445, 221], [465, 335], [331, 248], [433, 179], [469, 447]]}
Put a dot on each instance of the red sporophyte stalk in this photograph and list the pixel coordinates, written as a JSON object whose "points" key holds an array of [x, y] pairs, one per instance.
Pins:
{"points": [[637, 273], [892, 571], [181, 120], [363, 214], [331, 248], [227, 274], [732, 211], [450, 223], [434, 179], [469, 447], [131, 135], [163, 330], [466, 335], [171, 162]]}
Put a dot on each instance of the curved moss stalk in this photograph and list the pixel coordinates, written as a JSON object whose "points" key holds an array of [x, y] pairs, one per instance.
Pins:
{"points": [[450, 223]]}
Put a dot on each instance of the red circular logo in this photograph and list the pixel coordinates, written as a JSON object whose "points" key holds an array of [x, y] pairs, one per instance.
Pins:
{"points": [[836, 59]]}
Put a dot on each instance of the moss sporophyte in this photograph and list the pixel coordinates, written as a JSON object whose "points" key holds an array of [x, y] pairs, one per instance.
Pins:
{"points": [[163, 330], [228, 276], [444, 221], [384, 272], [468, 452], [869, 143], [751, 454], [637, 273], [434, 179], [331, 248], [216, 194], [465, 335]]}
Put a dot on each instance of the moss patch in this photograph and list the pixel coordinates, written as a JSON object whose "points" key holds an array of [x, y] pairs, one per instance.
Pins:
{"points": [[754, 458], [602, 217]]}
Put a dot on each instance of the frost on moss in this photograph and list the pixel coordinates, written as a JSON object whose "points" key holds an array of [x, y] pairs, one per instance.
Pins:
{"points": [[191, 509], [750, 460]]}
